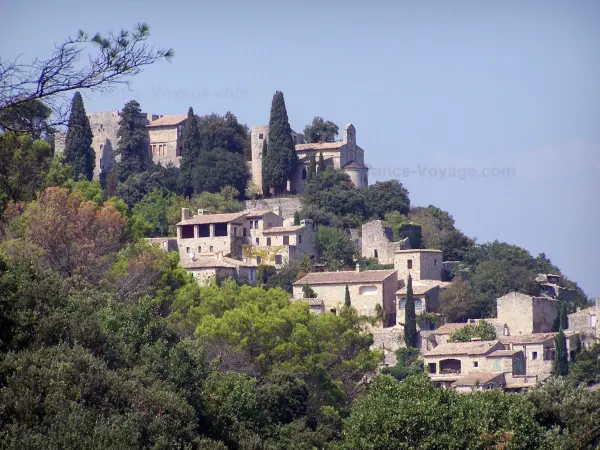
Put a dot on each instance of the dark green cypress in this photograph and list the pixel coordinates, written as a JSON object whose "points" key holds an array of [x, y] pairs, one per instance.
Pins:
{"points": [[347, 301], [281, 159], [190, 154], [410, 318], [312, 168], [561, 357], [134, 142], [563, 316], [321, 166], [79, 153], [296, 218]]}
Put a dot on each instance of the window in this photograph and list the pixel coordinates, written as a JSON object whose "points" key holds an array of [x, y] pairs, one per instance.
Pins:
{"points": [[304, 173], [432, 367], [268, 242], [261, 136], [497, 365], [593, 320], [211, 248], [367, 290], [375, 254], [286, 240], [251, 224], [258, 260], [256, 224], [434, 262], [244, 232], [475, 364], [257, 241], [101, 147], [418, 303], [534, 355], [299, 239], [199, 249], [187, 249], [409, 264], [101, 126], [333, 310], [278, 259]]}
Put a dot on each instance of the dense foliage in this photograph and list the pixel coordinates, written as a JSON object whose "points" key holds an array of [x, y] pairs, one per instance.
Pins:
{"points": [[79, 153], [482, 330]]}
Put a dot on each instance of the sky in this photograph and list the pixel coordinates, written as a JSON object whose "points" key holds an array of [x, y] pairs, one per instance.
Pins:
{"points": [[487, 109]]}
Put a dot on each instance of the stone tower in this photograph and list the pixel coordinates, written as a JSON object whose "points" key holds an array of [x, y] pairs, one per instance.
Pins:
{"points": [[258, 134]]}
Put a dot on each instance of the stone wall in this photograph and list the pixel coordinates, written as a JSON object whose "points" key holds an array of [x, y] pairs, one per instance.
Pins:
{"points": [[288, 205], [524, 314], [256, 148], [389, 340], [426, 264], [378, 239], [172, 138]]}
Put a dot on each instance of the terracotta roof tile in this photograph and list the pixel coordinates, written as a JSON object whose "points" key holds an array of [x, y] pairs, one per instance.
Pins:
{"points": [[449, 328], [464, 348], [201, 219], [501, 353], [168, 121], [418, 289], [346, 277], [319, 146], [534, 338], [290, 229]]}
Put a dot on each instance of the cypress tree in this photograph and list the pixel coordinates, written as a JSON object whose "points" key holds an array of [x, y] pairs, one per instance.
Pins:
{"points": [[563, 317], [133, 143], [296, 218], [190, 154], [347, 301], [561, 357], [321, 166], [79, 153], [265, 183], [281, 158], [312, 168], [410, 318]]}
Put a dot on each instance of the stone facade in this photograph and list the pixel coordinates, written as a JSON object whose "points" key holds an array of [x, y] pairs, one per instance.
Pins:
{"points": [[166, 139], [427, 300], [344, 154], [206, 267], [421, 264], [377, 242], [367, 289], [524, 314], [287, 206], [585, 322]]}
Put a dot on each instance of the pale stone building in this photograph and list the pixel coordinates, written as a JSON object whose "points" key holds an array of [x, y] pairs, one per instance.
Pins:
{"points": [[168, 244], [377, 242], [367, 289], [585, 322], [426, 297], [166, 139], [206, 267], [420, 264], [524, 314], [344, 154]]}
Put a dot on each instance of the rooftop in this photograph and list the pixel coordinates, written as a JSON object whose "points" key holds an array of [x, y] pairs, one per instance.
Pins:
{"points": [[289, 229], [346, 277], [534, 338], [418, 289], [213, 261], [419, 250], [584, 312], [502, 353], [201, 219], [463, 348], [168, 121], [320, 146], [474, 379], [256, 213], [449, 328]]}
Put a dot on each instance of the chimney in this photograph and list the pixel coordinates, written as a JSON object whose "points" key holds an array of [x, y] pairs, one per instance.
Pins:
{"points": [[185, 214], [277, 210], [358, 268]]}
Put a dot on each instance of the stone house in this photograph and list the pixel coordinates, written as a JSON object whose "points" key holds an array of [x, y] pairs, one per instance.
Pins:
{"points": [[550, 284], [524, 314], [367, 289], [426, 296], [206, 267], [585, 322], [166, 138], [207, 233], [420, 264], [344, 154], [168, 244], [377, 242]]}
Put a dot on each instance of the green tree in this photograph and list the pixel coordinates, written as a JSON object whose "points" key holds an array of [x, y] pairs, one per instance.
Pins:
{"points": [[410, 319], [334, 247], [223, 132], [78, 144], [563, 316], [281, 157], [59, 172], [347, 302], [482, 330], [153, 209], [561, 355], [386, 196], [133, 143], [407, 364], [218, 168], [190, 154], [458, 303], [296, 218], [312, 168], [321, 165], [321, 131], [308, 292]]}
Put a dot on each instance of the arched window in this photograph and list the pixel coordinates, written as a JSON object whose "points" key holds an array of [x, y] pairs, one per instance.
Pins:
{"points": [[304, 173]]}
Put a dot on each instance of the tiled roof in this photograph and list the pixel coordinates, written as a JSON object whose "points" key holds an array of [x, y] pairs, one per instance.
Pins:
{"points": [[463, 348], [500, 353], [211, 261], [290, 229], [355, 165], [473, 379], [534, 338], [419, 250], [449, 328], [212, 218], [418, 289], [320, 146], [168, 121], [256, 213], [346, 277]]}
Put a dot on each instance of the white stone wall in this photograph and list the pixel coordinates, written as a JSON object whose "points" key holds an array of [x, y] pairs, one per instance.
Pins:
{"points": [[169, 136], [376, 236], [524, 314], [426, 264]]}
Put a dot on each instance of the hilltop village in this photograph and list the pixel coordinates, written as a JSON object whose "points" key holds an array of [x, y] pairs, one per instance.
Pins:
{"points": [[519, 350]]}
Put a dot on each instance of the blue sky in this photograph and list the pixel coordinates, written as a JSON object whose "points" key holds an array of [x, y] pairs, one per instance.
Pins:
{"points": [[508, 88]]}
